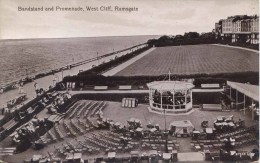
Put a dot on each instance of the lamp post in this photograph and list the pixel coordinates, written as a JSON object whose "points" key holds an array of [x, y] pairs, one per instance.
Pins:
{"points": [[62, 74], [97, 58], [165, 132]]}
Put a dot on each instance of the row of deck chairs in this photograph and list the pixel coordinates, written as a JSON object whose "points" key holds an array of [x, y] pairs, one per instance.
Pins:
{"points": [[82, 108], [95, 142], [109, 136], [236, 156], [80, 146], [87, 110], [105, 141], [99, 108], [56, 128], [206, 141], [94, 108], [86, 147], [157, 145], [87, 126], [242, 136], [107, 147], [69, 130], [207, 144], [73, 107], [76, 127], [42, 140], [116, 142], [53, 137], [201, 146], [7, 151], [79, 107], [245, 142], [240, 131]]}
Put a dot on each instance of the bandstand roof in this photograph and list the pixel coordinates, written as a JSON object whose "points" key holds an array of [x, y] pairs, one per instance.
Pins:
{"points": [[170, 85]]}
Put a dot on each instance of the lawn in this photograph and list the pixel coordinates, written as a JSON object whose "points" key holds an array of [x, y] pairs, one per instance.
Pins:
{"points": [[193, 59]]}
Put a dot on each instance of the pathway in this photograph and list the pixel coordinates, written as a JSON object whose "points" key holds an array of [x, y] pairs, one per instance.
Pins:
{"points": [[109, 91], [236, 47], [47, 81], [127, 63]]}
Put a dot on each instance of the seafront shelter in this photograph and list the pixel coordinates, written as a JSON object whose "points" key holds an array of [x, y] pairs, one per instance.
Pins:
{"points": [[250, 96]]}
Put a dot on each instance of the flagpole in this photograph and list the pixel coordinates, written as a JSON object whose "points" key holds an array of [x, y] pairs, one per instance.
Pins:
{"points": [[169, 75]]}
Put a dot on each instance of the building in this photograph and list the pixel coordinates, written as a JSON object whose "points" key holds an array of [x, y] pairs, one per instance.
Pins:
{"points": [[218, 29], [255, 30], [227, 25], [239, 28]]}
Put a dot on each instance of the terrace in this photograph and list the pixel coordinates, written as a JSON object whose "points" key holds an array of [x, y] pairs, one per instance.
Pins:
{"points": [[78, 132]]}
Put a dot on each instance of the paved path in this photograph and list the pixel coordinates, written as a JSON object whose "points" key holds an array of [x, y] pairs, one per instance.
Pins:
{"points": [[127, 63], [236, 47], [109, 91]]}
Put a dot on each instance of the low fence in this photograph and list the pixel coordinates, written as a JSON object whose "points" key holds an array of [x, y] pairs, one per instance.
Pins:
{"points": [[116, 97]]}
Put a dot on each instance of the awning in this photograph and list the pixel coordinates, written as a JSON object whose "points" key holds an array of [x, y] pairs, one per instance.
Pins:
{"points": [[196, 132], [134, 153], [69, 156], [77, 155], [36, 157], [209, 130], [111, 154], [153, 152], [139, 129], [249, 90], [167, 156], [117, 124]]}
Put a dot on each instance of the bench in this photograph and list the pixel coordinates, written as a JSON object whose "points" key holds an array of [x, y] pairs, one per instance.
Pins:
{"points": [[211, 107], [125, 87], [100, 87]]}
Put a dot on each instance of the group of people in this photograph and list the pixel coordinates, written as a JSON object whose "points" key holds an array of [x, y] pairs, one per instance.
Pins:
{"points": [[5, 110], [166, 98]]}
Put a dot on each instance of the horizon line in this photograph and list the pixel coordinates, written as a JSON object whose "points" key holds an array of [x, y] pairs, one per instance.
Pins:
{"points": [[78, 37], [11, 39]]}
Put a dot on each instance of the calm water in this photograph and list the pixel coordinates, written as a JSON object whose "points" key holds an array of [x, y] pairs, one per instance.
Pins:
{"points": [[20, 58]]}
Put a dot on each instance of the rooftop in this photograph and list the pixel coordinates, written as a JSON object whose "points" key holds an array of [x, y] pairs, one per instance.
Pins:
{"points": [[170, 85]]}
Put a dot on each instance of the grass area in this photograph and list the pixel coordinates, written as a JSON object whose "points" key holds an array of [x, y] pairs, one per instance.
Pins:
{"points": [[193, 59]]}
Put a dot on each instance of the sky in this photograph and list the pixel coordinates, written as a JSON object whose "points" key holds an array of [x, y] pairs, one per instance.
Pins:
{"points": [[154, 17]]}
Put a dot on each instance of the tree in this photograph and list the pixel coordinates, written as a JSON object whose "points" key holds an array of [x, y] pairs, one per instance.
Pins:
{"points": [[191, 35]]}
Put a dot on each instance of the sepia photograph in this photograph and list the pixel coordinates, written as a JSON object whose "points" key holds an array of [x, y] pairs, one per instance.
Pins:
{"points": [[129, 81]]}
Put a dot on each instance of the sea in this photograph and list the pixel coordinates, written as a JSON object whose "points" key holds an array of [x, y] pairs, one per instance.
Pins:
{"points": [[28, 57]]}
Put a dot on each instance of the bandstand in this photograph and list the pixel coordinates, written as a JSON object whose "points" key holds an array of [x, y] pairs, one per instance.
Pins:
{"points": [[170, 96]]}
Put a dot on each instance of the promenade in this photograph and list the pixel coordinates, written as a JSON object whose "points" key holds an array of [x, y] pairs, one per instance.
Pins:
{"points": [[236, 47], [47, 81]]}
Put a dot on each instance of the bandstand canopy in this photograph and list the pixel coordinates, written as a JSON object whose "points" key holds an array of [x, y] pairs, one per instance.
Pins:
{"points": [[170, 85]]}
